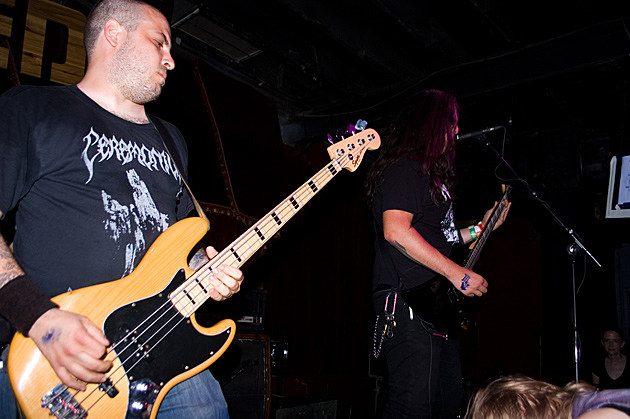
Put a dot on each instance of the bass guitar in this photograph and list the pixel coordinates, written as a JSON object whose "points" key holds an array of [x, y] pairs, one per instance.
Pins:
{"points": [[445, 310], [148, 316]]}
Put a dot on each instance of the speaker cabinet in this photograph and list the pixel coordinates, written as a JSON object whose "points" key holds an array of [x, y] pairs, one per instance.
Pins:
{"points": [[246, 308], [244, 374], [326, 409]]}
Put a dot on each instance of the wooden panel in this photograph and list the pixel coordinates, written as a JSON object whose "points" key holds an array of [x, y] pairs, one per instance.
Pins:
{"points": [[5, 30], [39, 12], [5, 21], [4, 57]]}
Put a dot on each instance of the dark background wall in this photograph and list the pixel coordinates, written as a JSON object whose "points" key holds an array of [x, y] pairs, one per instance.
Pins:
{"points": [[562, 128]]}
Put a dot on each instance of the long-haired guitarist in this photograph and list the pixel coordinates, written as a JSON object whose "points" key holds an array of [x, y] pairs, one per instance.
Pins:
{"points": [[409, 189], [94, 186]]}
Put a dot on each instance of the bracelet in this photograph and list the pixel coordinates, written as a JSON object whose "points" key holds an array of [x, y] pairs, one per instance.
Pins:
{"points": [[22, 303], [473, 232]]}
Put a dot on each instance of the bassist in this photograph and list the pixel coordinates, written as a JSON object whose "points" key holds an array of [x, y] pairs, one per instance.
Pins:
{"points": [[93, 187], [408, 187]]}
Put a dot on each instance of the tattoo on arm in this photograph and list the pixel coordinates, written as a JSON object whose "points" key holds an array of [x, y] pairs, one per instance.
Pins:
{"points": [[9, 269], [402, 250], [465, 282], [50, 337], [199, 258]]}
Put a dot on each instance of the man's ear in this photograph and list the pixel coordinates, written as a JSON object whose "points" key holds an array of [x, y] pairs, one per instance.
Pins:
{"points": [[113, 32]]}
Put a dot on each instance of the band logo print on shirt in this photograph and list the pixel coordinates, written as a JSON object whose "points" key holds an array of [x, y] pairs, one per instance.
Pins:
{"points": [[99, 148]]}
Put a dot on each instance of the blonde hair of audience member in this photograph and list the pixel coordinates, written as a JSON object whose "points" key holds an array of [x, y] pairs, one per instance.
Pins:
{"points": [[520, 397]]}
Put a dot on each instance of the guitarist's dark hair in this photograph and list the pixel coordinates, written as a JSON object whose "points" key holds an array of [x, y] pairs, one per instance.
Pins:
{"points": [[423, 131]]}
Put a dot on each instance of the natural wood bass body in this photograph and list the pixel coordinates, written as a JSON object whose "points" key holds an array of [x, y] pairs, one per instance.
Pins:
{"points": [[32, 376]]}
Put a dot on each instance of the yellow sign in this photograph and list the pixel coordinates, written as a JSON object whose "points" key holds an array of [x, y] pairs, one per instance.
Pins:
{"points": [[32, 29]]}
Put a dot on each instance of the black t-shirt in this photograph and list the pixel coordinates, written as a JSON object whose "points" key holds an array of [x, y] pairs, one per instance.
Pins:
{"points": [[606, 381], [405, 188], [92, 190]]}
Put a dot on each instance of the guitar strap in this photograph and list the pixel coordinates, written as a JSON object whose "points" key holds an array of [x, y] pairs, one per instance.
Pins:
{"points": [[169, 145]]}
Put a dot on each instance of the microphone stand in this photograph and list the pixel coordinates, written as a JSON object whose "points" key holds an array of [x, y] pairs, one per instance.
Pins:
{"points": [[573, 248]]}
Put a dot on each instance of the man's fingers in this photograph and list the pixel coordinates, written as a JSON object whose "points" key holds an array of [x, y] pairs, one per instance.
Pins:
{"points": [[95, 333], [477, 286], [230, 276], [74, 347], [68, 379], [211, 252], [94, 364], [216, 295], [224, 286], [226, 281], [81, 376], [507, 209]]}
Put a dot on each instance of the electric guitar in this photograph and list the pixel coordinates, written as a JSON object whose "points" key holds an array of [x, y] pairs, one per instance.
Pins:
{"points": [[148, 316], [443, 308]]}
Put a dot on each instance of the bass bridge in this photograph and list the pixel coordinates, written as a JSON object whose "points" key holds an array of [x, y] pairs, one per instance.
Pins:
{"points": [[63, 405]]}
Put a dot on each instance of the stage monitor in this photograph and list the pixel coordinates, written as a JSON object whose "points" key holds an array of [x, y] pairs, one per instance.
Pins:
{"points": [[618, 202]]}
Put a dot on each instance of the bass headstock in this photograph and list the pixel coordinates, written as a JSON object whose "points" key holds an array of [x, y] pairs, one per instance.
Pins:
{"points": [[349, 152]]}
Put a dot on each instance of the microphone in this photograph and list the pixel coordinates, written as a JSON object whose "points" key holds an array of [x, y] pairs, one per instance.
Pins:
{"points": [[479, 133]]}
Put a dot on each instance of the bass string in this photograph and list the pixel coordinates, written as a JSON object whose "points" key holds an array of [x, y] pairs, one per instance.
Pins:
{"points": [[140, 358], [164, 309]]}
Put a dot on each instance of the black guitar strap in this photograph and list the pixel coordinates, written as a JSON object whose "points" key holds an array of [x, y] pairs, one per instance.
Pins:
{"points": [[169, 145]]}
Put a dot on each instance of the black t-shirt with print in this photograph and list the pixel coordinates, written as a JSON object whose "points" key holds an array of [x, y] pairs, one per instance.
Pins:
{"points": [[405, 188], [92, 191]]}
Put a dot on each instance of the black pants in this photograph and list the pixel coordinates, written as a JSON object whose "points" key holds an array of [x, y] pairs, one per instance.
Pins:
{"points": [[424, 377]]}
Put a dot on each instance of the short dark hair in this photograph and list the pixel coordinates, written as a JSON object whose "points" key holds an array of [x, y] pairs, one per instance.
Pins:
{"points": [[126, 12]]}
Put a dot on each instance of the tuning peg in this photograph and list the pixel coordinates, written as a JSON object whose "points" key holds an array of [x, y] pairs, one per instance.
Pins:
{"points": [[360, 125]]}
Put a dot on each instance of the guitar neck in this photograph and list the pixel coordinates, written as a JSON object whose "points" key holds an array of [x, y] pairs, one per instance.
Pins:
{"points": [[483, 237], [248, 243], [244, 247], [346, 154]]}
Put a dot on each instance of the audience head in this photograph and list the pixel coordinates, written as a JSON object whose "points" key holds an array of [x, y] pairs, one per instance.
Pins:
{"points": [[613, 341], [520, 397]]}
